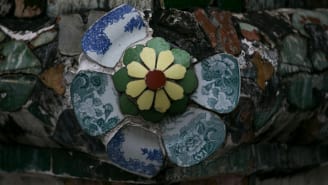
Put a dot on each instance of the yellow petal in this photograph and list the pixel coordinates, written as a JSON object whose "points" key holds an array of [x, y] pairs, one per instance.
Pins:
{"points": [[135, 69], [145, 101], [174, 90], [162, 102], [135, 88], [148, 56], [165, 58], [176, 72]]}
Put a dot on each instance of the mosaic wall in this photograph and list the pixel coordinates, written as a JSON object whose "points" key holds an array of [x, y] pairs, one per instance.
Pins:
{"points": [[159, 89]]}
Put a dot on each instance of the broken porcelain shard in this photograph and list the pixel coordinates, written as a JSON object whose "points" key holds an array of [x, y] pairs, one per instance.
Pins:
{"points": [[95, 102], [106, 40], [219, 83], [18, 58], [136, 150], [193, 136]]}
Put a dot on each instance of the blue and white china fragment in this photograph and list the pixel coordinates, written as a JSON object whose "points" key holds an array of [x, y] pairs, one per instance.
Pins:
{"points": [[193, 136], [219, 83], [136, 150], [95, 102], [106, 40]]}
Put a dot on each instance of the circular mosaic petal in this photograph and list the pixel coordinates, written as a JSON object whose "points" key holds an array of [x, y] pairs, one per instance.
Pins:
{"points": [[136, 150], [192, 136], [219, 83], [106, 40], [95, 102]]}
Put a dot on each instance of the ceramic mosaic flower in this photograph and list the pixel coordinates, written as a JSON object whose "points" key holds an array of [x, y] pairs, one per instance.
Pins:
{"points": [[155, 79], [159, 84]]}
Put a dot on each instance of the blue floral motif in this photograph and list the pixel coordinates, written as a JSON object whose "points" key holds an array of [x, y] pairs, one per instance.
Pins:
{"points": [[153, 155], [135, 22], [102, 43], [92, 103], [135, 165]]}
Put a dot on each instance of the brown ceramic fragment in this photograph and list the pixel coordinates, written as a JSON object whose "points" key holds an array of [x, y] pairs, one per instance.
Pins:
{"points": [[264, 70], [54, 78], [227, 34], [206, 25]]}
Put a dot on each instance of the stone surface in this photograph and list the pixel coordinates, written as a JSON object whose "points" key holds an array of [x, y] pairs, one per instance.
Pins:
{"points": [[181, 29], [18, 58], [71, 29], [249, 32], [44, 38], [54, 78], [226, 30], [29, 9], [207, 26], [278, 27], [264, 70], [318, 37], [6, 5]]}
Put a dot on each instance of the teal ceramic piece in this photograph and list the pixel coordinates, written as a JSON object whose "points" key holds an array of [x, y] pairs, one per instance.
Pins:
{"points": [[193, 136], [95, 102], [136, 150], [319, 61], [302, 17], [293, 56], [218, 83], [17, 58], [301, 94], [15, 90]]}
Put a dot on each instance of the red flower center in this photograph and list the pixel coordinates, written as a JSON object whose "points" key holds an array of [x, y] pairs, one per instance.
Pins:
{"points": [[155, 79]]}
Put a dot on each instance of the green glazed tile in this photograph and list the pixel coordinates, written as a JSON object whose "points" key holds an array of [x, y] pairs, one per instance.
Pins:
{"points": [[23, 158], [15, 90], [159, 44], [127, 106], [18, 59], [189, 83], [293, 55], [121, 79], [132, 54], [152, 115], [319, 61], [178, 107], [300, 93], [181, 57]]}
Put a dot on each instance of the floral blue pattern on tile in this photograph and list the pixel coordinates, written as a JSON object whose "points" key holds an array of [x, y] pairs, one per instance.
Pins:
{"points": [[193, 136], [106, 40], [219, 87], [134, 23], [147, 159], [95, 102]]}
